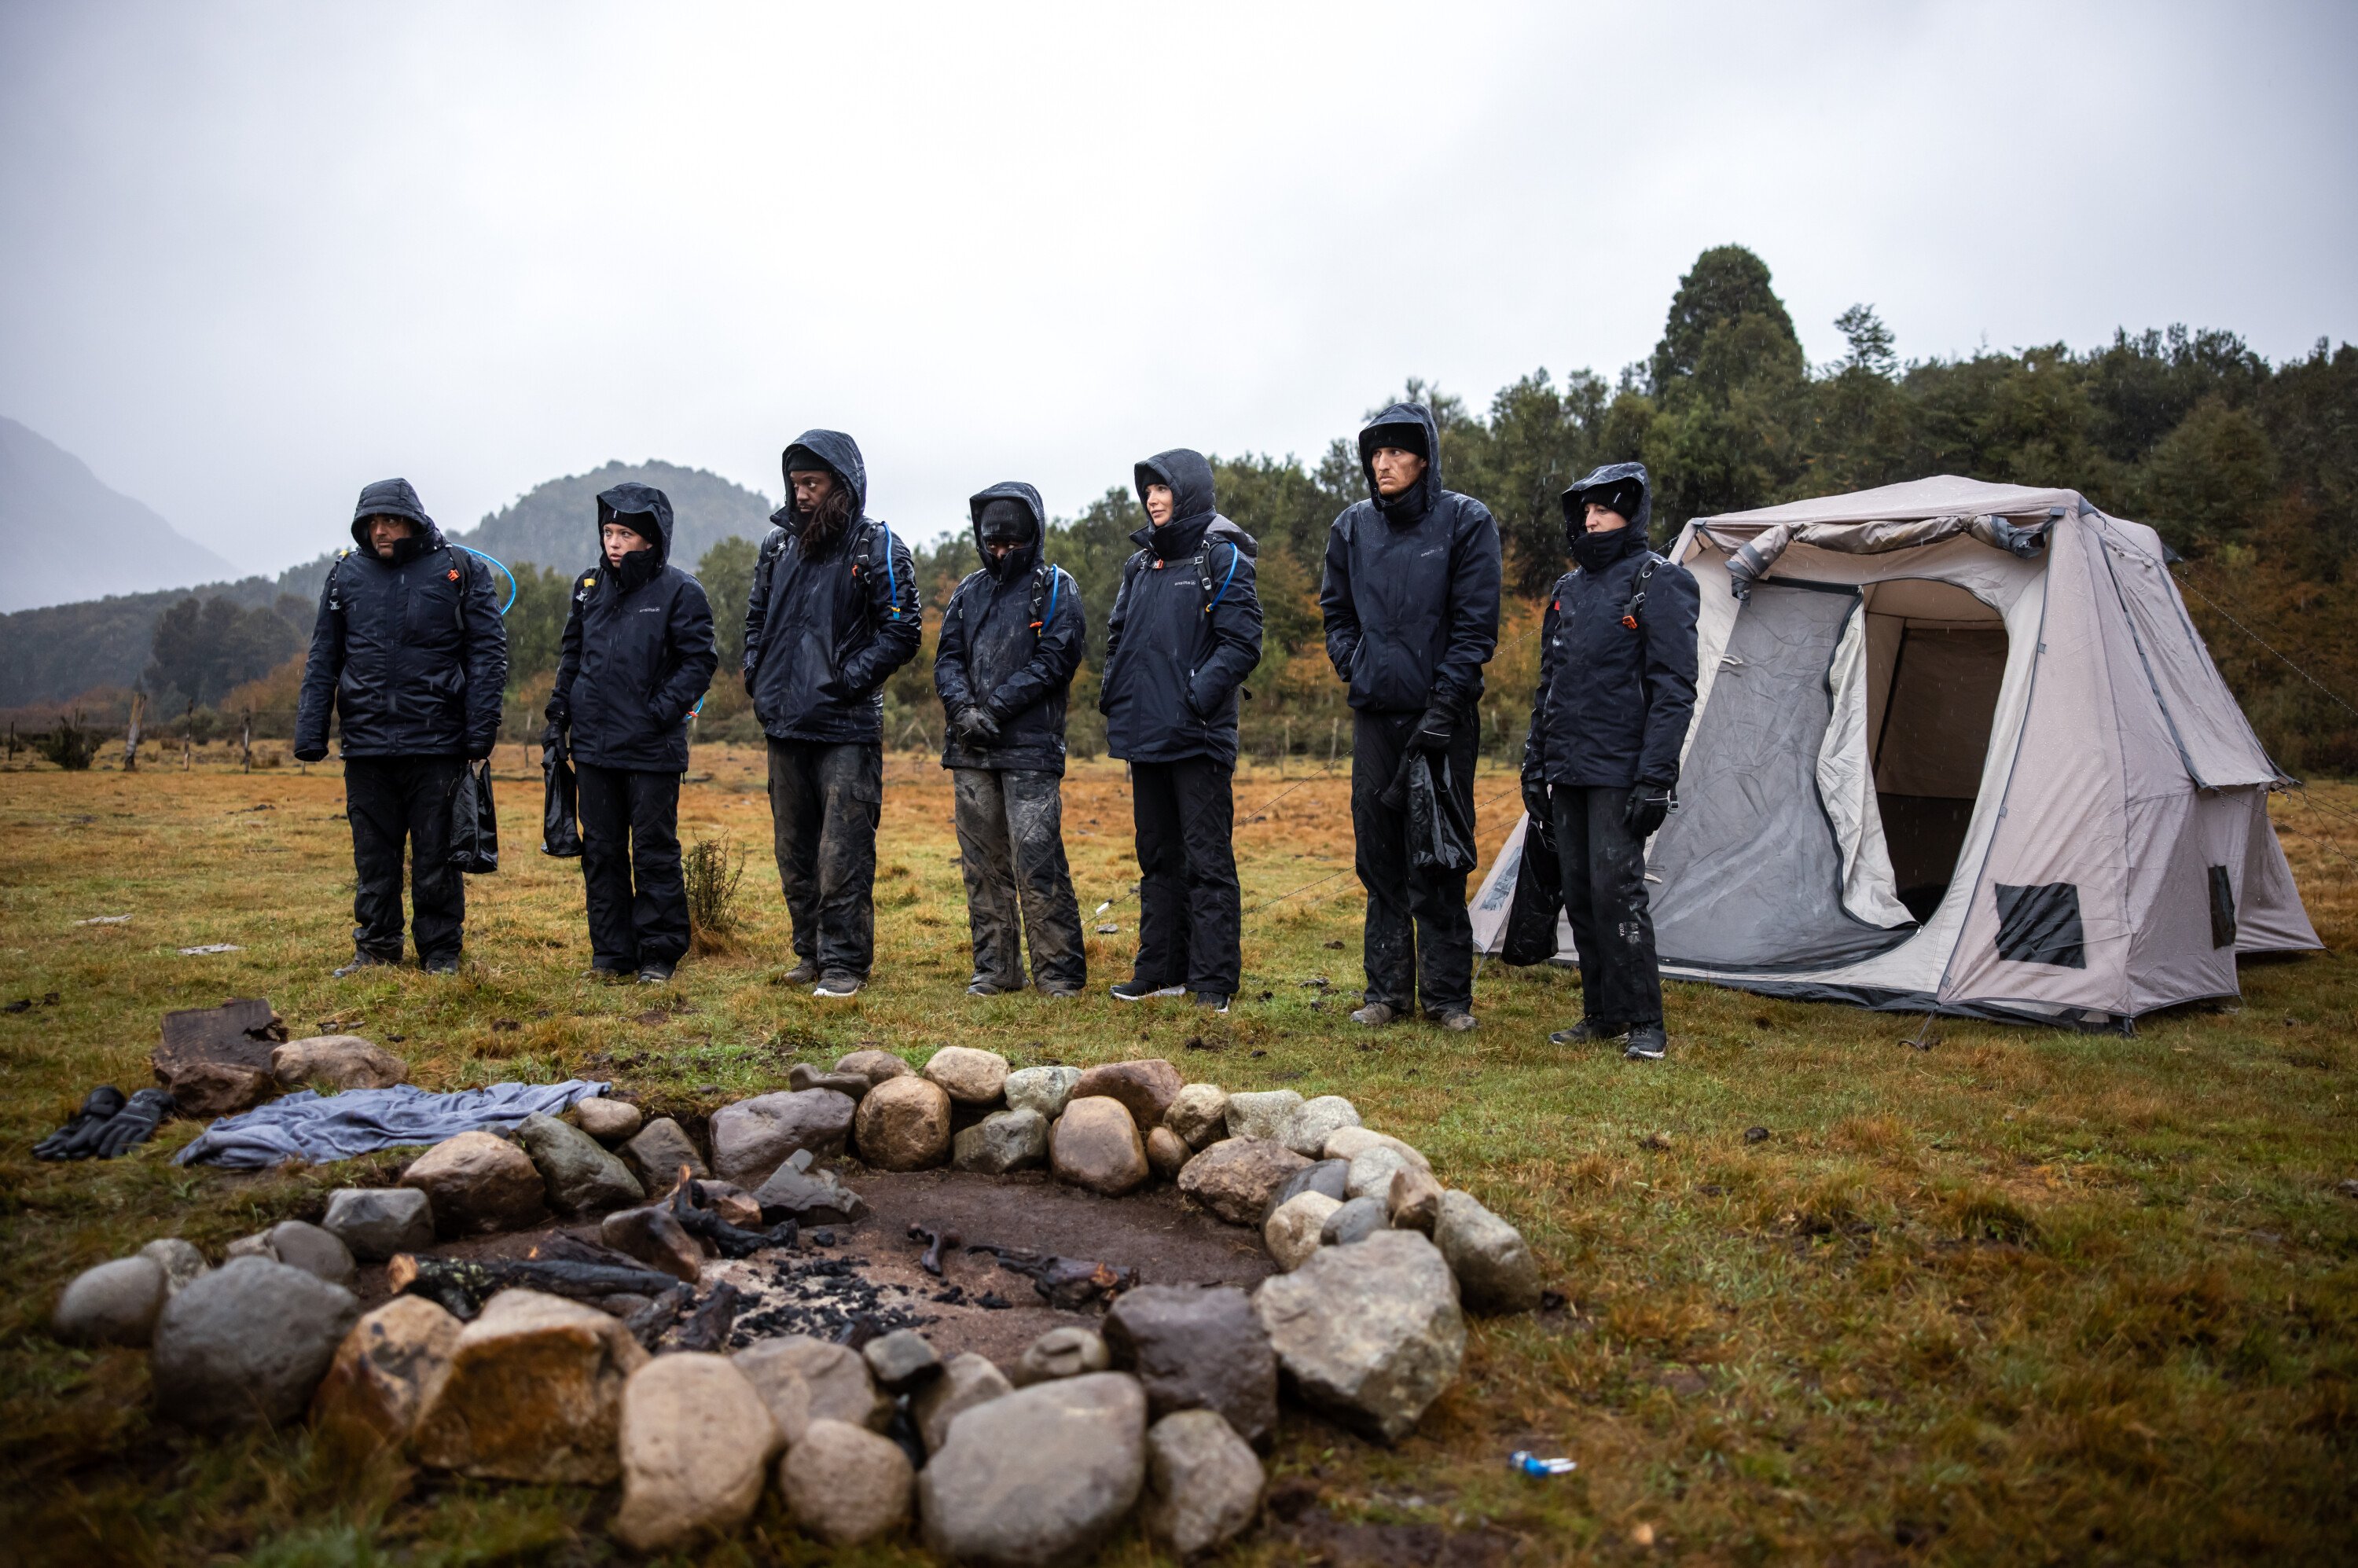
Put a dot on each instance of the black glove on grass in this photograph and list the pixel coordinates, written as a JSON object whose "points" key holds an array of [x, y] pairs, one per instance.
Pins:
{"points": [[135, 1123], [79, 1135]]}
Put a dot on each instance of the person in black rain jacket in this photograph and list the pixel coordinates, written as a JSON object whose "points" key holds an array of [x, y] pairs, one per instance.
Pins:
{"points": [[1410, 603], [832, 613], [1617, 689], [1011, 637], [410, 656], [1186, 631], [637, 654]]}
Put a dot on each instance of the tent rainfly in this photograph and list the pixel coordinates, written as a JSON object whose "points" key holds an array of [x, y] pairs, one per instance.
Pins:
{"points": [[1956, 747]]}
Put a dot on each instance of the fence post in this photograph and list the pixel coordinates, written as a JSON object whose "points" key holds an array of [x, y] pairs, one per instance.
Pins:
{"points": [[189, 739], [1333, 733], [131, 732], [247, 740]]}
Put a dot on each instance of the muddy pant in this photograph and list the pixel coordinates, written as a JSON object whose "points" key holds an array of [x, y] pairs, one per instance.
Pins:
{"points": [[1418, 943], [1604, 868], [1188, 899], [1011, 844], [823, 802], [630, 824], [391, 800]]}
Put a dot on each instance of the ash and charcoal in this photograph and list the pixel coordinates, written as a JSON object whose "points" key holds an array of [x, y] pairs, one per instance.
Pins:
{"points": [[825, 1298]]}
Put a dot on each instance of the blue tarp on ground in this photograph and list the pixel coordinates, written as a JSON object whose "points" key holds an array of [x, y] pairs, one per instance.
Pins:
{"points": [[316, 1129]]}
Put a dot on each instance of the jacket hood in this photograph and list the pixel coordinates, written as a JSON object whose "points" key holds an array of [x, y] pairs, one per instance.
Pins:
{"points": [[395, 498], [1189, 475], [633, 504], [838, 453], [1018, 561], [1412, 428], [1575, 520]]}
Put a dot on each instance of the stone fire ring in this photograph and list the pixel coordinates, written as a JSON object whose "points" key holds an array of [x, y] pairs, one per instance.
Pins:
{"points": [[871, 1432]]}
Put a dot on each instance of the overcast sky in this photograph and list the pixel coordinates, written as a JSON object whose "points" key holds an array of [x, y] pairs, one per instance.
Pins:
{"points": [[258, 255]]}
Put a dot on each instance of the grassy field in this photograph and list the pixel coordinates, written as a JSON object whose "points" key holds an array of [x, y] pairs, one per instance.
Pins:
{"points": [[2027, 1296]]}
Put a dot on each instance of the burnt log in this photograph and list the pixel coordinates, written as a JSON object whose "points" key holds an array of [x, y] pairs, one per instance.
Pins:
{"points": [[461, 1285], [707, 1327]]}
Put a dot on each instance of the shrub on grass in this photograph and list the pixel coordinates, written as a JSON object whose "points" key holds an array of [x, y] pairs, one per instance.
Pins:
{"points": [[712, 868]]}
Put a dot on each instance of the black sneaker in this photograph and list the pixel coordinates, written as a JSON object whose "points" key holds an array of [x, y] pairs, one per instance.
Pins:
{"points": [[1587, 1032], [1139, 991], [1212, 1002], [654, 972], [1375, 1014], [983, 985], [839, 983], [1456, 1020], [802, 973], [1647, 1043], [363, 961], [440, 966]]}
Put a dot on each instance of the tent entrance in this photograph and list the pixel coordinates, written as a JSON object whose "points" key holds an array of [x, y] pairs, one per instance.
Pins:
{"points": [[1935, 661]]}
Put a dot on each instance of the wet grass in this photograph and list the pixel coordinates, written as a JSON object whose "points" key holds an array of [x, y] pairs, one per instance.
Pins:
{"points": [[2025, 1296]]}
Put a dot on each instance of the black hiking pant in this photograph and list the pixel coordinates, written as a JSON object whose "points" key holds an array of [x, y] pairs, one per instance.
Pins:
{"points": [[393, 801], [1418, 942], [825, 798], [1603, 869], [1189, 905], [1011, 837], [629, 833]]}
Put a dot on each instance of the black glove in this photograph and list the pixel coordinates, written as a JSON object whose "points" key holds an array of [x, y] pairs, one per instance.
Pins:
{"points": [[976, 727], [1536, 805], [477, 754], [746, 674], [1647, 804], [554, 735], [1431, 733], [75, 1140], [319, 756], [134, 1123]]}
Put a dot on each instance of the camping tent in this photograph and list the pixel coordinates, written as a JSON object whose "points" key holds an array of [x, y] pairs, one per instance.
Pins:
{"points": [[1956, 747]]}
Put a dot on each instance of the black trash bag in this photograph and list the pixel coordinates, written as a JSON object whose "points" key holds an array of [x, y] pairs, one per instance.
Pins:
{"points": [[561, 812], [475, 822], [1532, 912], [1439, 837]]}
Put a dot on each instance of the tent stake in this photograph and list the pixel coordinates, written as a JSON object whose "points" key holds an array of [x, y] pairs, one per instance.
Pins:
{"points": [[1923, 1039]]}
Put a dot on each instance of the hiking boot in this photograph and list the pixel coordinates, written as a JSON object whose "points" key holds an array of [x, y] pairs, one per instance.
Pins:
{"points": [[1587, 1032], [983, 986], [1456, 1020], [363, 961], [1060, 993], [1375, 1014], [443, 966], [1139, 991], [802, 973], [839, 983], [1213, 1000], [1647, 1043], [654, 972]]}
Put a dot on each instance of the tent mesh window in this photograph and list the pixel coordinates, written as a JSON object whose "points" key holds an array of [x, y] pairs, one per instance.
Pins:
{"points": [[2223, 909], [2040, 925]]}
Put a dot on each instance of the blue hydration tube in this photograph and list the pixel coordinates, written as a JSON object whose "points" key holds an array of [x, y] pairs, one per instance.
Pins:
{"points": [[504, 572]]}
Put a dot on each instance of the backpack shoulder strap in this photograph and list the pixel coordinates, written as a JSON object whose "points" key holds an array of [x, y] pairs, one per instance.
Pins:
{"points": [[1633, 612], [460, 574], [1046, 584], [1212, 596]]}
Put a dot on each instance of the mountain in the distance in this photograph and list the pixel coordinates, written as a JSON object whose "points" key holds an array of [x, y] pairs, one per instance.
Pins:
{"points": [[67, 536], [556, 524]]}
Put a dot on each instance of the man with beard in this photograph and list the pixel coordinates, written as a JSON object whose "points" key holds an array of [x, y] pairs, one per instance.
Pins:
{"points": [[832, 613], [409, 655], [1186, 631], [1410, 603], [636, 657], [1011, 637], [1617, 688]]}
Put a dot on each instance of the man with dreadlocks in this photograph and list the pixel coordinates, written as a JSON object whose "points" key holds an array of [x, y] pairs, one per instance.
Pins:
{"points": [[833, 612]]}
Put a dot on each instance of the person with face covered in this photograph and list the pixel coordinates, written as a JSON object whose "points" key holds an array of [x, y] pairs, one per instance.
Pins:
{"points": [[1616, 690], [637, 654], [1186, 631], [1410, 603], [410, 656], [1011, 637], [832, 613]]}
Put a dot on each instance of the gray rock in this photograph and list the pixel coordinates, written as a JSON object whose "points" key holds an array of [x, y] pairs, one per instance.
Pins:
{"points": [[654, 1235], [1198, 1114], [1167, 1153], [657, 1151], [1044, 1476], [1293, 1231], [845, 1484], [968, 1381], [1234, 1177], [1370, 1333], [1353, 1221], [695, 1443], [180, 1262], [874, 1066], [1066, 1352], [1325, 1176], [835, 1377], [752, 1137], [1043, 1089], [803, 1076], [968, 1076], [246, 1345], [608, 1120], [1317, 1120], [112, 1303], [1267, 1114], [1095, 1144], [254, 1246], [317, 1252], [377, 1222], [479, 1181], [1413, 1202], [813, 1199], [1197, 1348], [1349, 1143], [1002, 1141], [1496, 1272], [902, 1361], [580, 1177], [332, 1062], [1203, 1482], [1371, 1172]]}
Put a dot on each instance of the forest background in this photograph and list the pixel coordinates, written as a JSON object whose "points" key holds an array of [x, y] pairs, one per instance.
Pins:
{"points": [[2248, 469]]}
